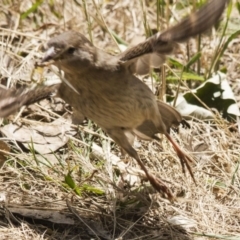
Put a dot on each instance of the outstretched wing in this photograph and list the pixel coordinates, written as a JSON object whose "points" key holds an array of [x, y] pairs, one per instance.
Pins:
{"points": [[151, 53], [12, 100]]}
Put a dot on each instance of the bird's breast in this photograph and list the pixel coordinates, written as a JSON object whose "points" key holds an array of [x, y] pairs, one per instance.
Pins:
{"points": [[111, 99]]}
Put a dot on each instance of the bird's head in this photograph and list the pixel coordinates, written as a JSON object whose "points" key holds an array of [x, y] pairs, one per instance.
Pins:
{"points": [[65, 46]]}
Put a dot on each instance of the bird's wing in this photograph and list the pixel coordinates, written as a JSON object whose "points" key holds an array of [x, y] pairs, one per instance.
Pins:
{"points": [[12, 100], [151, 53]]}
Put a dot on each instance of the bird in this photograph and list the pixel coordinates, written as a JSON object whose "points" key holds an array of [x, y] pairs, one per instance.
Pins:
{"points": [[105, 88]]}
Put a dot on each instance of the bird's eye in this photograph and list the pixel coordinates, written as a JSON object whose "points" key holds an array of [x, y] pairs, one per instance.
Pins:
{"points": [[71, 50]]}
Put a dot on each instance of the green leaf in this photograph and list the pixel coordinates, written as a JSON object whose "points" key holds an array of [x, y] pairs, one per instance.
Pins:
{"points": [[231, 37], [92, 189], [220, 184], [32, 9], [119, 39], [238, 6], [69, 180], [71, 183], [175, 63], [194, 59], [186, 76], [216, 93]]}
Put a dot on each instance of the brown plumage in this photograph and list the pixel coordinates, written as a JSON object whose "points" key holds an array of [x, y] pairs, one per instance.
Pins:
{"points": [[103, 88], [152, 52], [12, 100]]}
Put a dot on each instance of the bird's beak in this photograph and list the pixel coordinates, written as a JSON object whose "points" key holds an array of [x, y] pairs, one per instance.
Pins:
{"points": [[49, 55]]}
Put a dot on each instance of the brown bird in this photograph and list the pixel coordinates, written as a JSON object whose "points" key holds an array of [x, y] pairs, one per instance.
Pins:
{"points": [[103, 88]]}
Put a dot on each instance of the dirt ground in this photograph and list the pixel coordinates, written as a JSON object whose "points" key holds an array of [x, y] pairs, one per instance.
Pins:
{"points": [[84, 189]]}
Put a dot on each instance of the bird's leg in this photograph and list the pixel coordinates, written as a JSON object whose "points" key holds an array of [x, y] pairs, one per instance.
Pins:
{"points": [[118, 135], [184, 158], [130, 136]]}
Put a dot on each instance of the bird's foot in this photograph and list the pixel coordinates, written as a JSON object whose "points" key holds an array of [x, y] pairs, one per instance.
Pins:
{"points": [[184, 158], [160, 186]]}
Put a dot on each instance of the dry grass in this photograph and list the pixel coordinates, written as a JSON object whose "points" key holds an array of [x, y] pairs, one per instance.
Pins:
{"points": [[98, 195]]}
